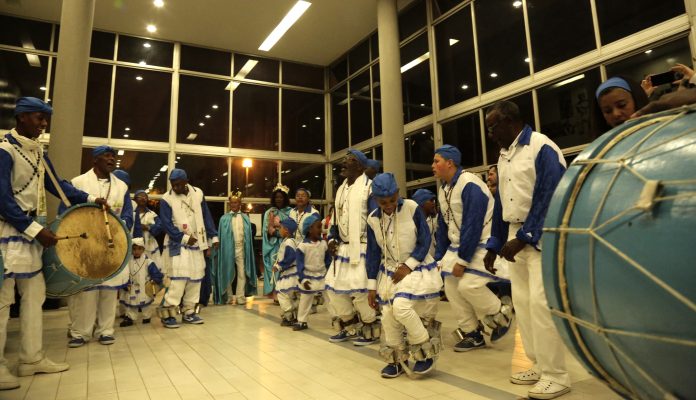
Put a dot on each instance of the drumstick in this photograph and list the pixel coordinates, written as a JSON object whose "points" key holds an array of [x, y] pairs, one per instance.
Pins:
{"points": [[82, 235], [109, 237]]}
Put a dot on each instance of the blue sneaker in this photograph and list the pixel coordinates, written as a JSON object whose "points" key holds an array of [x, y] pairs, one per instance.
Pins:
{"points": [[498, 333], [107, 339], [192, 319], [361, 341], [423, 367], [392, 371], [341, 336], [76, 342], [170, 322], [472, 340]]}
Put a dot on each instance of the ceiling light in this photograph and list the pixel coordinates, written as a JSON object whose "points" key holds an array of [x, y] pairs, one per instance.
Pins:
{"points": [[494, 75], [207, 115], [452, 42], [526, 60], [567, 81], [142, 62], [34, 60], [648, 51], [248, 66], [465, 86], [415, 62], [151, 28], [201, 124], [305, 180], [158, 3], [316, 176], [290, 18], [317, 118], [121, 152], [126, 135], [164, 168], [318, 149], [422, 104], [138, 78], [191, 136], [304, 126], [423, 133], [147, 45], [215, 106], [178, 157], [246, 163], [127, 129], [517, 4], [225, 174], [42, 88]]}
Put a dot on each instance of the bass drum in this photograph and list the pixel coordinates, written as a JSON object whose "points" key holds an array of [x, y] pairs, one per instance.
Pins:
{"points": [[618, 256], [76, 264]]}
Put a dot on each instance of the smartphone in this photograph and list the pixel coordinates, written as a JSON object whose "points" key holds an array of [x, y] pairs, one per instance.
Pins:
{"points": [[664, 78]]}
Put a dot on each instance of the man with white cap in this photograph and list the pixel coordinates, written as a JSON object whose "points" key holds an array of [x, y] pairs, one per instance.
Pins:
{"points": [[190, 232], [23, 185]]}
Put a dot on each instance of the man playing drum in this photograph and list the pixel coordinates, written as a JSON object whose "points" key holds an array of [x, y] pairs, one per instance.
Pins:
{"points": [[529, 168], [22, 196], [93, 311]]}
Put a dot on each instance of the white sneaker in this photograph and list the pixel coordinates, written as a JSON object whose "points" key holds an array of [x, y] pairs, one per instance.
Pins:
{"points": [[547, 390], [44, 366], [241, 300], [7, 380], [528, 377]]}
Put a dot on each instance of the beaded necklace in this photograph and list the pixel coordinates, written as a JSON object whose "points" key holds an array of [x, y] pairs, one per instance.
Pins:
{"points": [[34, 166]]}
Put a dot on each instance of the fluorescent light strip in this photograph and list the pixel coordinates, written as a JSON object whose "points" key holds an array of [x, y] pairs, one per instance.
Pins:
{"points": [[248, 66], [415, 62], [567, 81], [290, 18]]}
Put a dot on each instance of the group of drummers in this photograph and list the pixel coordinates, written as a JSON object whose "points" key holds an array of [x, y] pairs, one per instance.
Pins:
{"points": [[384, 254]]}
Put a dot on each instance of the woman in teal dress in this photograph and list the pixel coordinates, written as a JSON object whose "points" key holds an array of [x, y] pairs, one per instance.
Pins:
{"points": [[280, 210]]}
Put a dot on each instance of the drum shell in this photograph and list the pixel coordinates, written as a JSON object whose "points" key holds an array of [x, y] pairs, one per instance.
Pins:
{"points": [[627, 300], [60, 280]]}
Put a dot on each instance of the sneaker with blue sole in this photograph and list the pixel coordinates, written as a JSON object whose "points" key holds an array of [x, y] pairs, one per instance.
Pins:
{"points": [[472, 341], [107, 339], [341, 336], [192, 319], [76, 342], [170, 322], [423, 367], [392, 371]]}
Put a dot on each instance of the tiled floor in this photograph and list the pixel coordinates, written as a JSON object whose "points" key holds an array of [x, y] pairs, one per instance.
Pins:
{"points": [[243, 353]]}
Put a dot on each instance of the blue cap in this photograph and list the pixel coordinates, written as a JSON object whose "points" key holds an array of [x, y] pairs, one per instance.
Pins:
{"points": [[360, 156], [137, 192], [614, 82], [289, 224], [449, 152], [308, 222], [123, 175], [373, 164], [99, 150], [31, 104], [384, 185], [422, 195], [178, 174], [309, 194]]}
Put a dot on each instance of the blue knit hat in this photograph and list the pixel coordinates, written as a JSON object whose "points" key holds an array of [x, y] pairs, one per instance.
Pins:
{"points": [[31, 104], [307, 223], [123, 175], [422, 195], [289, 224], [449, 152], [178, 174], [384, 185]]}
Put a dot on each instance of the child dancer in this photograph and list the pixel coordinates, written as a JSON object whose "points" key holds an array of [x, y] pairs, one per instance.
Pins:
{"points": [[313, 258], [134, 297], [287, 280]]}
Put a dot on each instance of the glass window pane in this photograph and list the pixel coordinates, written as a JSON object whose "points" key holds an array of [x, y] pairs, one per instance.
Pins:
{"points": [[415, 79], [565, 108], [501, 43], [618, 20], [97, 105], [102, 45], [303, 122], [465, 134], [150, 52], [359, 56], [442, 6], [255, 117], [411, 19], [203, 116], [360, 108], [309, 176], [207, 173], [419, 149], [25, 33], [20, 75], [557, 39], [374, 39], [260, 69], [205, 60], [525, 103], [338, 72], [303, 75], [217, 210], [262, 178], [143, 117], [456, 67], [377, 104], [339, 119]]}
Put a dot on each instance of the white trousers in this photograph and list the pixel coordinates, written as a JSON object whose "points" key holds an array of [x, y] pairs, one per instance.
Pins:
{"points": [[92, 313], [241, 271], [145, 311], [406, 314], [539, 336], [305, 306], [287, 301], [345, 306], [191, 292], [33, 293], [471, 299]]}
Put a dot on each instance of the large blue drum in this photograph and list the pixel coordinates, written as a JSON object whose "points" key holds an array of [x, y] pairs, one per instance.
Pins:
{"points": [[619, 256], [76, 264]]}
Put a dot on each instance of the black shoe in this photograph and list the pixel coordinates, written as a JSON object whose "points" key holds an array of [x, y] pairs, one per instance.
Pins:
{"points": [[126, 322], [146, 320], [286, 322], [300, 326]]}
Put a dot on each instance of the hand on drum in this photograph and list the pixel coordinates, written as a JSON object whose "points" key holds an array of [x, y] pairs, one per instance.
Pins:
{"points": [[372, 299], [102, 202], [47, 238], [306, 285], [489, 261], [458, 270], [401, 271], [511, 248]]}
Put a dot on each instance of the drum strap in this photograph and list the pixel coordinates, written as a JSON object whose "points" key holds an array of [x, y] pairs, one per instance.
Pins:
{"points": [[61, 194]]}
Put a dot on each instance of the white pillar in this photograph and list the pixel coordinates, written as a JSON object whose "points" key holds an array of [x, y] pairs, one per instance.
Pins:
{"points": [[390, 87]]}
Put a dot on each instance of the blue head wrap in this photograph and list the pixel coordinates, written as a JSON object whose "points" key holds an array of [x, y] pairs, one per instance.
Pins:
{"points": [[384, 185], [614, 82], [123, 175], [99, 150], [289, 224], [360, 156], [449, 152], [309, 194], [177, 174], [137, 192], [372, 164], [31, 104], [308, 222], [422, 195]]}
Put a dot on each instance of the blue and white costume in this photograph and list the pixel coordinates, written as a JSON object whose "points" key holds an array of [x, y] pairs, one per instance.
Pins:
{"points": [[421, 196], [134, 297], [299, 216], [528, 172], [313, 258], [150, 219], [287, 284]]}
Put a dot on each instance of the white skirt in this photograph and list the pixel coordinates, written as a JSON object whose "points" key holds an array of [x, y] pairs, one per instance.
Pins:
{"points": [[316, 282], [287, 281], [344, 277], [423, 283], [476, 266], [188, 265], [21, 254]]}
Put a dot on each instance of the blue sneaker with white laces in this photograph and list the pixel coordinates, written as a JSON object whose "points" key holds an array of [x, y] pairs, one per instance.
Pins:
{"points": [[170, 322], [392, 371], [341, 336], [472, 340], [423, 367], [192, 319], [76, 342]]}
